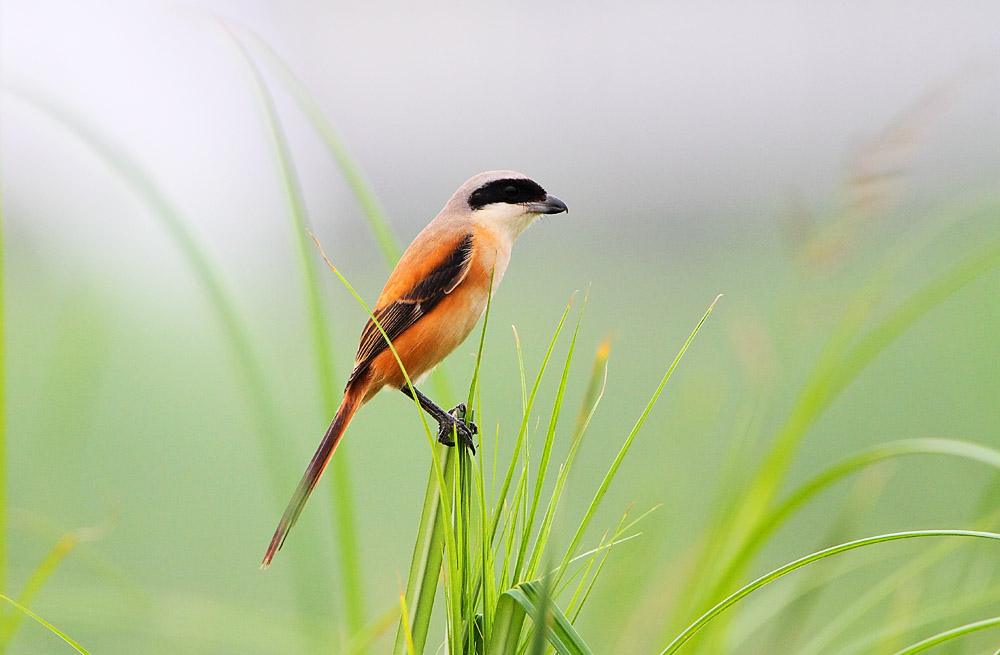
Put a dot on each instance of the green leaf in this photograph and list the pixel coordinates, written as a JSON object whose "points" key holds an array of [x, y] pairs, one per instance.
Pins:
{"points": [[524, 600], [779, 572], [51, 628], [342, 496], [947, 635]]}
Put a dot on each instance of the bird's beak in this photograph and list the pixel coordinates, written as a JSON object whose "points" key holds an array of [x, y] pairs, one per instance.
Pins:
{"points": [[551, 205]]}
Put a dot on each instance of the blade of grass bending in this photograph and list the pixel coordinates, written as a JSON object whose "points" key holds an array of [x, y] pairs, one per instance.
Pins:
{"points": [[342, 490], [62, 548], [365, 197], [540, 619], [948, 635], [610, 475], [863, 604], [805, 492], [770, 577], [930, 616], [550, 434], [439, 471], [196, 257], [48, 626], [591, 399], [266, 423], [844, 362], [524, 600]]}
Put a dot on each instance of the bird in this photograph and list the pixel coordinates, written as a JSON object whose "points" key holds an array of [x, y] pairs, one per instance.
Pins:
{"points": [[433, 298]]}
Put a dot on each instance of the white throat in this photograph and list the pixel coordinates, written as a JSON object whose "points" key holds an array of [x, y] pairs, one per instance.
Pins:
{"points": [[506, 221]]}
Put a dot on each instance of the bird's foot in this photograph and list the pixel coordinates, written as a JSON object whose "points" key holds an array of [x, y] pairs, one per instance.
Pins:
{"points": [[456, 424]]}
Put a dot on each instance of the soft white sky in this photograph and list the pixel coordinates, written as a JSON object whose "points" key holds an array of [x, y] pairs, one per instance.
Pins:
{"points": [[664, 115]]}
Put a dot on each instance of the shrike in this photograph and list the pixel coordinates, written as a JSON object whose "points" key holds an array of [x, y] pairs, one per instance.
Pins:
{"points": [[429, 305]]}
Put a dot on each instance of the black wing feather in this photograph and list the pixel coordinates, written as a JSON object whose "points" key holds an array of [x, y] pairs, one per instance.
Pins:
{"points": [[395, 318]]}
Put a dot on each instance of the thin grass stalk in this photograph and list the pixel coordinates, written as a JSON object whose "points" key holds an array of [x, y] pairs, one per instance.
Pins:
{"points": [[845, 356], [342, 495], [366, 198], [869, 457], [522, 431], [591, 400], [623, 451], [543, 463], [932, 615], [948, 635], [770, 577], [843, 363], [48, 626], [266, 425], [40, 575]]}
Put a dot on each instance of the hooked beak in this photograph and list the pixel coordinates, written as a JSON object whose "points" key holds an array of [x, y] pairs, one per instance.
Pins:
{"points": [[551, 205]]}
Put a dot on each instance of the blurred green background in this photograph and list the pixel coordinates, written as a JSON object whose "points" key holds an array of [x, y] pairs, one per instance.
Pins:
{"points": [[778, 157]]}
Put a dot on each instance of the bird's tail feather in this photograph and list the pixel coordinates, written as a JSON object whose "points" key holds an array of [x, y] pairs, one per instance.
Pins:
{"points": [[352, 401]]}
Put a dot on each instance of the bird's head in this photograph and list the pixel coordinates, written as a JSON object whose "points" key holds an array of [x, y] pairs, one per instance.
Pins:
{"points": [[506, 201]]}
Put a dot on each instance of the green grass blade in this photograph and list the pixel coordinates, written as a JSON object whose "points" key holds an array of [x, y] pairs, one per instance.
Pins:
{"points": [[45, 569], [522, 431], [948, 635], [623, 451], [591, 400], [524, 600], [770, 577], [195, 256], [251, 373], [342, 491], [807, 491], [541, 620], [543, 463], [366, 198], [842, 363], [48, 626]]}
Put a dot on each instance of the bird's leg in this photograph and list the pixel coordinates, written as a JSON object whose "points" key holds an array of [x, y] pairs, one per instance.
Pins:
{"points": [[449, 423]]}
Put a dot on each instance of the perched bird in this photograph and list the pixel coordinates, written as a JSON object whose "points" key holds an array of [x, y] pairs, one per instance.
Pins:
{"points": [[429, 305]]}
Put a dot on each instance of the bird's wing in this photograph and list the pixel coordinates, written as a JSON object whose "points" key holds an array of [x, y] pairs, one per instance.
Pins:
{"points": [[397, 316]]}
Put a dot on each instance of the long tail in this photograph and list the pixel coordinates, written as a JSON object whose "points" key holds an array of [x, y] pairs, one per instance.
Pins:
{"points": [[352, 401]]}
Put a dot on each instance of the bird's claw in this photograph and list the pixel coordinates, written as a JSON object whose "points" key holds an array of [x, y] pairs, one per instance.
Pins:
{"points": [[466, 430]]}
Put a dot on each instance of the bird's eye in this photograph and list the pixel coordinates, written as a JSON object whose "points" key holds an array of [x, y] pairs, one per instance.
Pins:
{"points": [[510, 192]]}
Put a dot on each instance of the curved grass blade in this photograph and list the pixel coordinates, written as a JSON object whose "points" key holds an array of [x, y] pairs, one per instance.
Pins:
{"points": [[948, 635], [805, 492], [48, 626], [367, 200], [342, 495], [779, 572], [62, 548], [251, 372], [194, 254], [525, 600], [843, 362]]}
